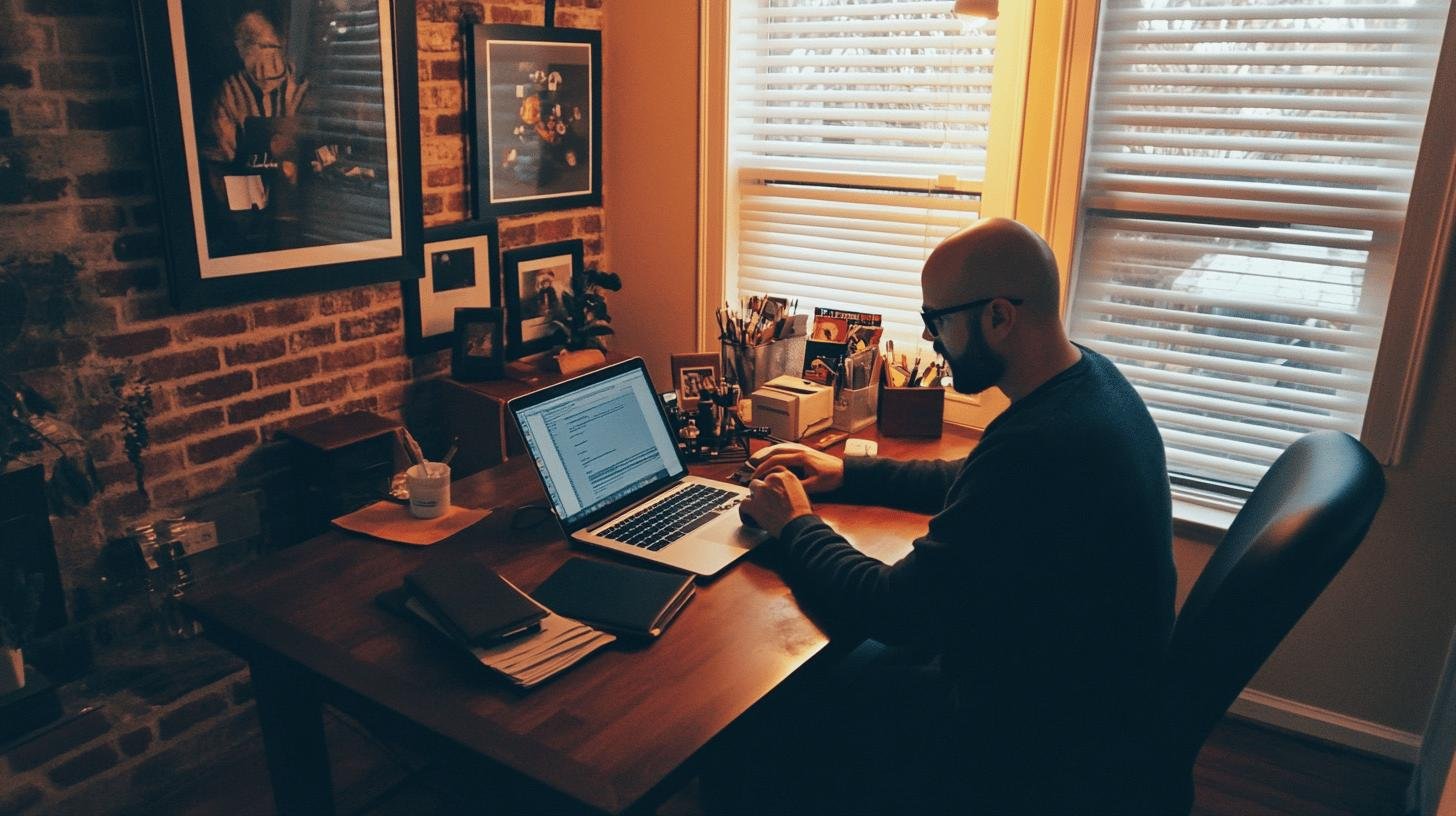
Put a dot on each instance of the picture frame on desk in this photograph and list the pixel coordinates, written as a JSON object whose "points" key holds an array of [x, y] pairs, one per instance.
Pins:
{"points": [[462, 270], [536, 279], [691, 373], [285, 142], [478, 352], [537, 142]]}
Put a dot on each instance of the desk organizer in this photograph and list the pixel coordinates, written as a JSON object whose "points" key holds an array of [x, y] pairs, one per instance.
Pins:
{"points": [[854, 409], [912, 411], [752, 366]]}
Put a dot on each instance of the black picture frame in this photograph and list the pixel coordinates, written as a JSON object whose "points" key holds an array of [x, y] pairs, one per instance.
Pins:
{"points": [[535, 279], [430, 302], [478, 351], [527, 153], [261, 204]]}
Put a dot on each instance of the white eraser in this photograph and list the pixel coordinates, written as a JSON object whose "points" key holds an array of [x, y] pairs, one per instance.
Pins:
{"points": [[860, 447]]}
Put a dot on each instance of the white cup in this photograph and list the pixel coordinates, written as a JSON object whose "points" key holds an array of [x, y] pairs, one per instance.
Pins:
{"points": [[429, 489]]}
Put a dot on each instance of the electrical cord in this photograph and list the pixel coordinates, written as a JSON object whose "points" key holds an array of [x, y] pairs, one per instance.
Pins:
{"points": [[530, 515]]}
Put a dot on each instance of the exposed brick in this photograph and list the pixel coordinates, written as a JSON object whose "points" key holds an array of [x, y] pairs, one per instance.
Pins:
{"points": [[256, 352], [134, 743], [432, 204], [281, 314], [133, 343], [111, 183], [380, 322], [218, 325], [270, 429], [19, 799], [446, 69], [16, 189], [103, 218], [394, 372], [83, 766], [13, 75], [159, 769], [140, 309], [346, 300], [325, 391], [312, 337], [444, 177], [251, 409], [449, 124], [144, 215], [189, 714], [517, 235], [217, 447], [590, 223], [171, 430], [75, 75], [215, 388], [104, 38], [115, 282], [502, 14], [180, 364], [37, 114], [242, 691], [59, 740], [104, 114], [558, 230], [427, 364], [137, 246], [125, 506], [347, 357], [288, 371], [392, 346]]}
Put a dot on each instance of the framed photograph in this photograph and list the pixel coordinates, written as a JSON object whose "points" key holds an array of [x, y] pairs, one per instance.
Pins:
{"points": [[461, 270], [536, 93], [479, 349], [535, 279], [692, 374], [285, 135]]}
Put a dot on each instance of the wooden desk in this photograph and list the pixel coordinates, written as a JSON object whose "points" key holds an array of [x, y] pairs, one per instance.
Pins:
{"points": [[614, 733]]}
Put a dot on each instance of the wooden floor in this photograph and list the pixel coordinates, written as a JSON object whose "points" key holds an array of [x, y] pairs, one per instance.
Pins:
{"points": [[1244, 770]]}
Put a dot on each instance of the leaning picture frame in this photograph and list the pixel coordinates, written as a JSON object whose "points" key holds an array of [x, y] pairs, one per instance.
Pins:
{"points": [[536, 95], [285, 137], [478, 348], [536, 280], [691, 373], [461, 270]]}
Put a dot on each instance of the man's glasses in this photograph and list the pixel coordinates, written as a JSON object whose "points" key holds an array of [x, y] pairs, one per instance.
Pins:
{"points": [[932, 317]]}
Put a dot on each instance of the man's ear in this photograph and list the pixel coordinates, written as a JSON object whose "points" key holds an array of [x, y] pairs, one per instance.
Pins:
{"points": [[1002, 312]]}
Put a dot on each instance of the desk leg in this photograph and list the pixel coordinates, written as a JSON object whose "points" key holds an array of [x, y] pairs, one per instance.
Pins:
{"points": [[290, 709]]}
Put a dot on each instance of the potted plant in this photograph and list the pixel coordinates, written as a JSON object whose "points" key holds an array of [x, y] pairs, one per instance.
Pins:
{"points": [[582, 322], [30, 434], [19, 608]]}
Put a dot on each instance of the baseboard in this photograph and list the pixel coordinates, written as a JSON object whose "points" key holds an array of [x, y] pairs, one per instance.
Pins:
{"points": [[1330, 726]]}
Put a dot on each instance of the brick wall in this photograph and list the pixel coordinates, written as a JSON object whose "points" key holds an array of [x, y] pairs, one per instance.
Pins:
{"points": [[79, 231]]}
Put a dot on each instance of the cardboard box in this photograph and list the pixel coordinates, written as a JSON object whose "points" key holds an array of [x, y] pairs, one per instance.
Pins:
{"points": [[912, 411]]}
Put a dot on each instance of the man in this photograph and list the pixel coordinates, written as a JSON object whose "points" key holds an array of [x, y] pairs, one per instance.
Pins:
{"points": [[1034, 612]]}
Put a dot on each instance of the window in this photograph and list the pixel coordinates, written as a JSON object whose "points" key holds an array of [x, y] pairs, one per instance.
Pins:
{"points": [[858, 137], [1247, 173]]}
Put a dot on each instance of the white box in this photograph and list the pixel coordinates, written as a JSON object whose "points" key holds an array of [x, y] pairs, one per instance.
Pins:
{"points": [[793, 408]]}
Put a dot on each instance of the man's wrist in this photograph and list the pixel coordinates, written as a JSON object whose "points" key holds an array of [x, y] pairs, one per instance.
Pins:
{"points": [[797, 525]]}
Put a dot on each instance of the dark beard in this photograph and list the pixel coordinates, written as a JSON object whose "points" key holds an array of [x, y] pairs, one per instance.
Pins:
{"points": [[979, 368]]}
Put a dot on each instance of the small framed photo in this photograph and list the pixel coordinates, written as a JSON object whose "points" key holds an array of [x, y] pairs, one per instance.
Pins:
{"points": [[460, 271], [536, 93], [693, 374], [478, 352], [536, 280]]}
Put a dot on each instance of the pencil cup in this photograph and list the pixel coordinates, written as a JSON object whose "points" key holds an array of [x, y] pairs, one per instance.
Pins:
{"points": [[429, 489]]}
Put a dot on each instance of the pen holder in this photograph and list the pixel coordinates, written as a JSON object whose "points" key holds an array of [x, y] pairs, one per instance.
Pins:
{"points": [[912, 411], [429, 489], [855, 408], [752, 366]]}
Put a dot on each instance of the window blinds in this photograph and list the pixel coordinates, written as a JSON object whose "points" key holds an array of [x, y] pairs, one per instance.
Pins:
{"points": [[857, 141], [1247, 171]]}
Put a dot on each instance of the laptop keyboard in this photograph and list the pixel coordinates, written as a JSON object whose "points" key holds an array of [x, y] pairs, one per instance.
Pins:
{"points": [[671, 519]]}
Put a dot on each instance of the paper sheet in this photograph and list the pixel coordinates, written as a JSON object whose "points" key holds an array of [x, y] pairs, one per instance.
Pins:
{"points": [[393, 522]]}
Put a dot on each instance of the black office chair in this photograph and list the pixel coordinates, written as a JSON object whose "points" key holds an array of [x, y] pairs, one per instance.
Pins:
{"points": [[1304, 519]]}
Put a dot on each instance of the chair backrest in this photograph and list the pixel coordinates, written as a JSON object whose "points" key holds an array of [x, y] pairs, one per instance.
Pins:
{"points": [[1300, 525]]}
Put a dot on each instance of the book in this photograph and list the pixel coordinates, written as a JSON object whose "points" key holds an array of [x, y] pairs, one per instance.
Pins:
{"points": [[617, 598], [472, 602]]}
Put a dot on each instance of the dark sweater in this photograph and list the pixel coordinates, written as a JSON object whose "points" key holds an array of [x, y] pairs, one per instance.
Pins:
{"points": [[1045, 581]]}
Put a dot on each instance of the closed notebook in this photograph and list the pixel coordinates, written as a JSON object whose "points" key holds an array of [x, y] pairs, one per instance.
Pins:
{"points": [[473, 601], [618, 598]]}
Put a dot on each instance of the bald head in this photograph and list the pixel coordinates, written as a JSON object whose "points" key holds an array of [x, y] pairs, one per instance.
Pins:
{"points": [[994, 257]]}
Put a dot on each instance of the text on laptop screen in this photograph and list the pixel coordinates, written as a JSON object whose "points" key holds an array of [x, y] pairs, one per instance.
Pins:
{"points": [[599, 444]]}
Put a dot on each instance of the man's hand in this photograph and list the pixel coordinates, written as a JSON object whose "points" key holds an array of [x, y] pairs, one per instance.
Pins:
{"points": [[819, 471], [774, 501]]}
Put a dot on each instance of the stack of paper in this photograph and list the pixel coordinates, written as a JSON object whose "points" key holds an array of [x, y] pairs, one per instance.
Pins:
{"points": [[528, 660]]}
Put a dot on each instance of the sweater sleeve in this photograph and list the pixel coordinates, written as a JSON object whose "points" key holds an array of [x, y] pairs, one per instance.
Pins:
{"points": [[919, 486]]}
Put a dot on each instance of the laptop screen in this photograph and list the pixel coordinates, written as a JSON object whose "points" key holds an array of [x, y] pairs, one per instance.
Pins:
{"points": [[599, 443]]}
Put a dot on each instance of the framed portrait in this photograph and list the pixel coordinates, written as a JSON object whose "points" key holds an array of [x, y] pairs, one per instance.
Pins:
{"points": [[536, 278], [285, 135], [461, 270], [478, 351], [692, 374], [536, 94]]}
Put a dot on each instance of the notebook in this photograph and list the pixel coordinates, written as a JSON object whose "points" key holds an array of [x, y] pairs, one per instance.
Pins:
{"points": [[472, 602], [614, 476], [618, 598]]}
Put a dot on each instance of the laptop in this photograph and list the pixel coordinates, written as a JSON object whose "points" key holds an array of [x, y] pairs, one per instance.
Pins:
{"points": [[614, 476]]}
